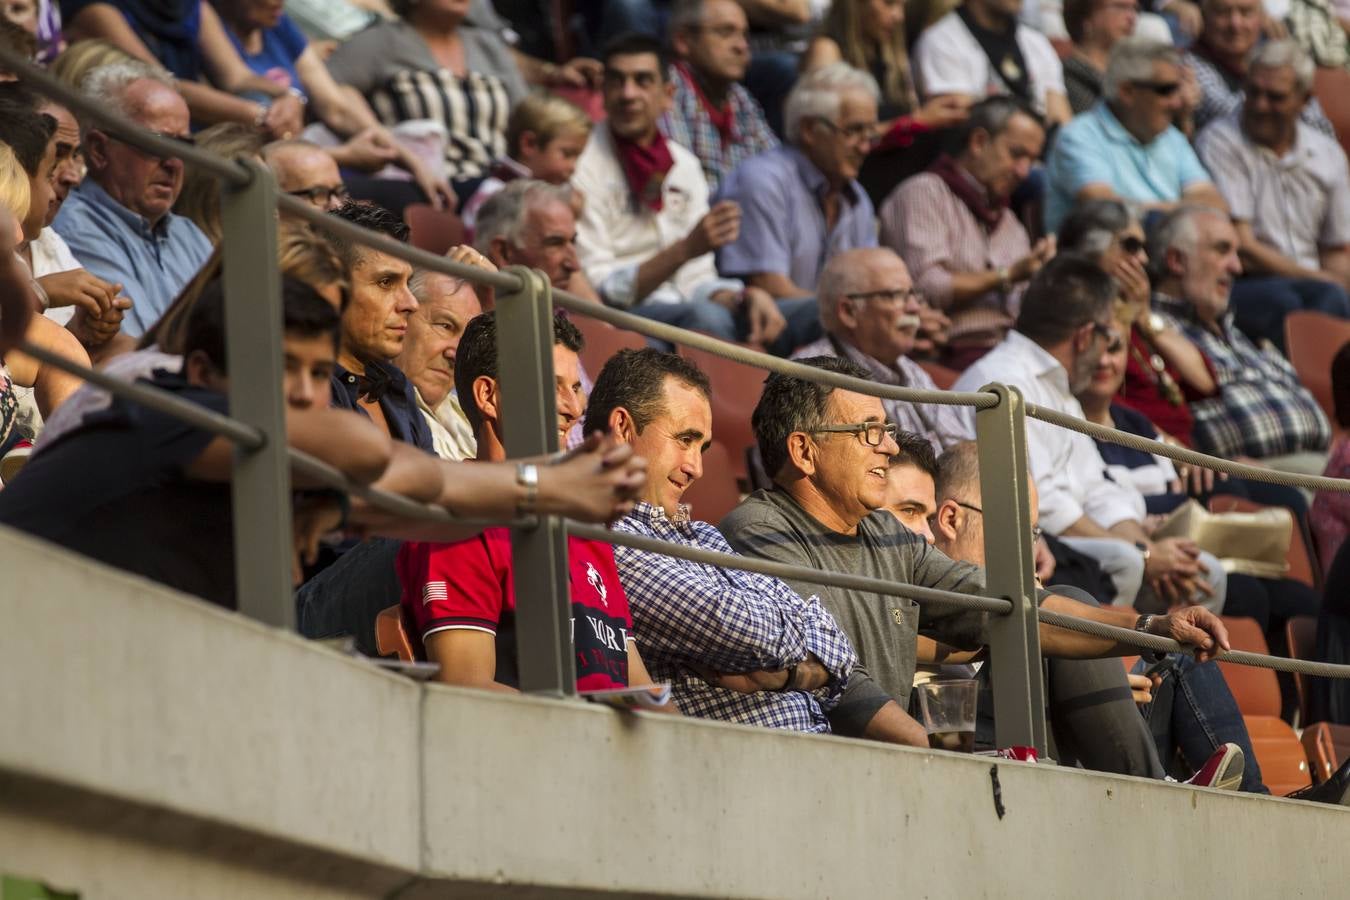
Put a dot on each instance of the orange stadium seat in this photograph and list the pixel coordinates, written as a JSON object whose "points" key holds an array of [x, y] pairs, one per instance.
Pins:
{"points": [[433, 230], [1257, 691], [1327, 744], [942, 376], [1300, 635], [1312, 340], [603, 340], [1284, 764], [716, 493], [736, 390], [391, 638], [1331, 87]]}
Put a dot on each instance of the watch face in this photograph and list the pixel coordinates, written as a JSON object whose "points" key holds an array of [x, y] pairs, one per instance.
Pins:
{"points": [[1155, 322]]}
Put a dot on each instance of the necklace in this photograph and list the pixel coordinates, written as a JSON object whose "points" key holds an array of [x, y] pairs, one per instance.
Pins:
{"points": [[1157, 367]]}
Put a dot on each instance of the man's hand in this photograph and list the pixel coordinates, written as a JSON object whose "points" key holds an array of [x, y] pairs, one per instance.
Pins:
{"points": [[285, 117], [463, 253], [94, 331], [1045, 560], [943, 111], [719, 227], [1194, 627], [934, 330], [1141, 688], [746, 682], [1027, 267], [79, 287], [1174, 556], [312, 519], [598, 482], [578, 72], [766, 320]]}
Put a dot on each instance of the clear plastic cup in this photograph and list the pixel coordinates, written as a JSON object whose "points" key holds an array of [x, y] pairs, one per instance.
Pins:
{"points": [[948, 708]]}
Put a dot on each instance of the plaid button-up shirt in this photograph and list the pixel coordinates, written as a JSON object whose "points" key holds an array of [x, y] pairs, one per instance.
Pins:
{"points": [[688, 614], [1261, 409], [687, 123]]}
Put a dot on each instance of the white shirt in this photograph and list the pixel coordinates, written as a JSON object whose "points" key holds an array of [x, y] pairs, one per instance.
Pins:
{"points": [[451, 436], [1069, 472], [948, 60], [51, 256], [614, 237]]}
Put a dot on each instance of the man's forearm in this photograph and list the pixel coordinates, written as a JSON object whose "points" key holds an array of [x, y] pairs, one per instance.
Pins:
{"points": [[1261, 258], [892, 725], [1088, 528], [777, 284], [1062, 642], [659, 269], [967, 287]]}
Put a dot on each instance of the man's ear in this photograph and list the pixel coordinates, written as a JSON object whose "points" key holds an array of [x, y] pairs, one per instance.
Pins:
{"points": [[529, 141], [1175, 261], [803, 453], [485, 397], [94, 144], [679, 42], [621, 425], [944, 521], [499, 252], [847, 313]]}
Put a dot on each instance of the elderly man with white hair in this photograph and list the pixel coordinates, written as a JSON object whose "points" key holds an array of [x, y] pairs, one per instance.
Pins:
{"points": [[1126, 146], [870, 313], [530, 223], [118, 221], [801, 203], [1288, 190]]}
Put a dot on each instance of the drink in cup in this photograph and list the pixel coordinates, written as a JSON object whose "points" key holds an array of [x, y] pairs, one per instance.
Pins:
{"points": [[948, 708]]}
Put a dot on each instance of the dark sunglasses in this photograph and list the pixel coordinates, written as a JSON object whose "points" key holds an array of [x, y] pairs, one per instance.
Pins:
{"points": [[1161, 88], [1131, 244]]}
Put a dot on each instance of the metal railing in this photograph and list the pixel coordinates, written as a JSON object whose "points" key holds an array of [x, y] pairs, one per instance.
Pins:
{"points": [[525, 299]]}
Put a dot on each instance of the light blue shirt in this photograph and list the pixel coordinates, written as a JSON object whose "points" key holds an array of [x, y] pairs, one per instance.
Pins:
{"points": [[1095, 148], [152, 263]]}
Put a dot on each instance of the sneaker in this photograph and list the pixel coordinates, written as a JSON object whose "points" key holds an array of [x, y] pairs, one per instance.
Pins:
{"points": [[13, 461], [1222, 771]]}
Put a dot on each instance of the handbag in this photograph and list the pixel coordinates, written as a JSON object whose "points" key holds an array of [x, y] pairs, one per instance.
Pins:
{"points": [[1246, 543]]}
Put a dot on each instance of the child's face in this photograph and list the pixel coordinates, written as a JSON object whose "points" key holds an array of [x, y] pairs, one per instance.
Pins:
{"points": [[555, 161]]}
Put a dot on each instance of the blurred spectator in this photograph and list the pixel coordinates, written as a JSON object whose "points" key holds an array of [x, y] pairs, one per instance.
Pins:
{"points": [[712, 114], [1095, 27], [427, 64], [980, 49], [200, 198], [1330, 514], [734, 645], [118, 221], [969, 254], [187, 38], [445, 307], [1063, 329], [460, 598], [1126, 146], [530, 223], [646, 235], [802, 202], [1288, 189], [329, 22], [1260, 410], [275, 50], [17, 39], [304, 170], [870, 312], [1220, 58], [83, 57], [544, 139]]}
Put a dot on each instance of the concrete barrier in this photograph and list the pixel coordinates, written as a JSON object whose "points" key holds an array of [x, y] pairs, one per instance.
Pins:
{"points": [[152, 746]]}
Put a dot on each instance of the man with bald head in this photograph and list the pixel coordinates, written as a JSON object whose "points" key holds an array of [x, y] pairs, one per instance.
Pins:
{"points": [[530, 223], [303, 169], [118, 221], [870, 313]]}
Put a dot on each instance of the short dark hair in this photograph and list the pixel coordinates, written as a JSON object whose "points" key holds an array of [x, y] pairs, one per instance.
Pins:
{"points": [[1340, 385], [303, 313], [992, 116], [27, 132], [477, 357], [633, 43], [917, 451], [365, 215], [790, 404], [1067, 293], [635, 380], [959, 473], [1076, 14]]}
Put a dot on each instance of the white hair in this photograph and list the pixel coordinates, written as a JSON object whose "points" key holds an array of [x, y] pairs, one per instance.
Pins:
{"points": [[1132, 60], [503, 215], [107, 85], [1180, 230], [817, 95], [1278, 54], [847, 272]]}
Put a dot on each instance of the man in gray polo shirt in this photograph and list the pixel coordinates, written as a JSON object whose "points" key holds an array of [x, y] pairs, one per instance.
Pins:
{"points": [[828, 453]]}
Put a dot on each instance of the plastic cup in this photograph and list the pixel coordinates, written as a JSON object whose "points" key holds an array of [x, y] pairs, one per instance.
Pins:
{"points": [[948, 708]]}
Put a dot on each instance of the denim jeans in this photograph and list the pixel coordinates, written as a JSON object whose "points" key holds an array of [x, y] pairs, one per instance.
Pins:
{"points": [[1194, 712], [345, 598]]}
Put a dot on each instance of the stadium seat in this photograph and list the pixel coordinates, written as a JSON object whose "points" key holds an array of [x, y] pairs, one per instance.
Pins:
{"points": [[716, 493], [1327, 746], [603, 341], [1331, 87], [1302, 566], [391, 638], [433, 230], [942, 376], [735, 391], [1256, 690], [1312, 340], [1284, 765], [1300, 635]]}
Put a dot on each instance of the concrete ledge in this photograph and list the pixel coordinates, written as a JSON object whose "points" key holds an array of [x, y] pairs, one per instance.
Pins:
{"points": [[155, 747]]}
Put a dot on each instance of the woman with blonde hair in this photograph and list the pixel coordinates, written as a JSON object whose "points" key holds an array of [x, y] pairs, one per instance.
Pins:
{"points": [[83, 57], [200, 198]]}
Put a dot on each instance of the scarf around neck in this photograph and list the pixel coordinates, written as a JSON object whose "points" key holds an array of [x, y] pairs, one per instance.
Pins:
{"points": [[976, 199], [645, 168], [722, 118]]}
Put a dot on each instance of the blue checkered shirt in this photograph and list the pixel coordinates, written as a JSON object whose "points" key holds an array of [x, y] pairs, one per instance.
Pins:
{"points": [[687, 124], [688, 614], [1261, 409]]}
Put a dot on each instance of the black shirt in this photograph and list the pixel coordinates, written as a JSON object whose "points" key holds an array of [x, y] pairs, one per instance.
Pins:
{"points": [[113, 489], [396, 399]]}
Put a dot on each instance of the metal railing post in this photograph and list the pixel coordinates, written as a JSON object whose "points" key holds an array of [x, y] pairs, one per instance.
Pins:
{"points": [[1014, 642], [529, 425], [261, 488]]}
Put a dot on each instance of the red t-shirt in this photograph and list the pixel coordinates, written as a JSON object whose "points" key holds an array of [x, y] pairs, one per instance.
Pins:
{"points": [[469, 584]]}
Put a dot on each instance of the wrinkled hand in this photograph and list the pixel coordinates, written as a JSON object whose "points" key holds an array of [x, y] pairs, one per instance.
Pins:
{"points": [[1045, 560], [599, 481], [370, 150], [719, 227], [312, 519], [79, 287], [1141, 688], [1195, 627], [1027, 267], [765, 318], [285, 117], [94, 331], [943, 111], [579, 72], [1134, 287], [745, 683], [463, 253]]}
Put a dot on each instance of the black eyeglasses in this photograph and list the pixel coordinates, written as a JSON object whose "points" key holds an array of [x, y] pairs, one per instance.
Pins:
{"points": [[894, 295], [1035, 529], [1131, 244], [856, 132], [872, 433], [1161, 88], [321, 196]]}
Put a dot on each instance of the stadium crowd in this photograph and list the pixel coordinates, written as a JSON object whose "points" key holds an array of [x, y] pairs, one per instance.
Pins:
{"points": [[1116, 209]]}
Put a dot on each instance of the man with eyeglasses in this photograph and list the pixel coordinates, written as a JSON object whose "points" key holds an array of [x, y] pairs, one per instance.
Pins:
{"points": [[801, 203], [828, 451], [1062, 331], [304, 170], [870, 312], [118, 221], [1289, 190], [969, 253], [646, 233], [1126, 146]]}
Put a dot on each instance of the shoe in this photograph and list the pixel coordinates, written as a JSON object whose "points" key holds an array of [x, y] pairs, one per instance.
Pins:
{"points": [[1222, 771], [1335, 790], [13, 461]]}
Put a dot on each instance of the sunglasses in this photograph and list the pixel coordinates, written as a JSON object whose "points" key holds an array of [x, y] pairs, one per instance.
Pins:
{"points": [[1131, 244], [1161, 88]]}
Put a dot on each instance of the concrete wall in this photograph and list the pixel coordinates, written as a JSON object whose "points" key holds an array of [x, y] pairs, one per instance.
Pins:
{"points": [[151, 746]]}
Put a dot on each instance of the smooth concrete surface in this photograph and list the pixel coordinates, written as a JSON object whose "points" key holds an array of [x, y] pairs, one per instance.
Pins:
{"points": [[151, 746]]}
